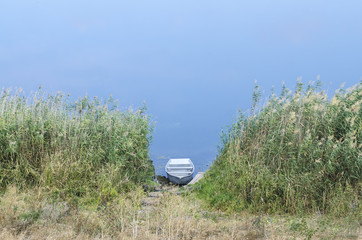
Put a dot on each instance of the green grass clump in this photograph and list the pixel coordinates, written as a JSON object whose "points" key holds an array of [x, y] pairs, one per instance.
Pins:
{"points": [[85, 150], [300, 152]]}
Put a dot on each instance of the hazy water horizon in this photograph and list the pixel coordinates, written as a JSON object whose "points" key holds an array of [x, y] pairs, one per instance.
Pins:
{"points": [[193, 62]]}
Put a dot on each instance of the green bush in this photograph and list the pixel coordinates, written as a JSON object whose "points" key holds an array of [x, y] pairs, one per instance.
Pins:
{"points": [[86, 150], [300, 152]]}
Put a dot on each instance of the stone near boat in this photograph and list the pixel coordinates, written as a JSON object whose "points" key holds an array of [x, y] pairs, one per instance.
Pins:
{"points": [[197, 178]]}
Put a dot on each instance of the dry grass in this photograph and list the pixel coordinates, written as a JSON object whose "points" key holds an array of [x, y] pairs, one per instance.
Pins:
{"points": [[28, 215]]}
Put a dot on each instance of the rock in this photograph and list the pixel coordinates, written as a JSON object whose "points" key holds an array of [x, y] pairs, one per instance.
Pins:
{"points": [[162, 180], [54, 211]]}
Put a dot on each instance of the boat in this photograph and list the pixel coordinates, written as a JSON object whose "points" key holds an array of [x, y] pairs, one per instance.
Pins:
{"points": [[180, 170]]}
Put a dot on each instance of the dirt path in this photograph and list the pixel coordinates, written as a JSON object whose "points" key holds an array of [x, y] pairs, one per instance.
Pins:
{"points": [[154, 198], [174, 216]]}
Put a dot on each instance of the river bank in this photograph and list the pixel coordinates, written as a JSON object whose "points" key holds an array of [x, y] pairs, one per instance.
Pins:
{"points": [[166, 212]]}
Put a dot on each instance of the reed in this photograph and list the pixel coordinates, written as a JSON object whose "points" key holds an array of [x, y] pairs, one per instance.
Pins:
{"points": [[299, 152], [85, 150]]}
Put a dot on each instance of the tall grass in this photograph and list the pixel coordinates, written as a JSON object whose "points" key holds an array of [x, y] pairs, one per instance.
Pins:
{"points": [[85, 150], [300, 152]]}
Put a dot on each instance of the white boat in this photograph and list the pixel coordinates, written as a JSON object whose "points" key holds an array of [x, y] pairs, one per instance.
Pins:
{"points": [[180, 170]]}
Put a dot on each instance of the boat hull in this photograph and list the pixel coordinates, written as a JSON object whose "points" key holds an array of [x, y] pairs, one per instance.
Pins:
{"points": [[180, 181]]}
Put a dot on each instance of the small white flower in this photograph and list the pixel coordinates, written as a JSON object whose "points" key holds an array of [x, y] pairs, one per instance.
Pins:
{"points": [[334, 101], [292, 117], [356, 106], [352, 98]]}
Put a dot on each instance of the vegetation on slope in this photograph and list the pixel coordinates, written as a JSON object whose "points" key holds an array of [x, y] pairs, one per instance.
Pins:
{"points": [[73, 171], [85, 150], [301, 152], [26, 215]]}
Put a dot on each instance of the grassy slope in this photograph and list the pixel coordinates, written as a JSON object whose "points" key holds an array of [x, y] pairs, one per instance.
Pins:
{"points": [[298, 153], [84, 151], [81, 186], [26, 215]]}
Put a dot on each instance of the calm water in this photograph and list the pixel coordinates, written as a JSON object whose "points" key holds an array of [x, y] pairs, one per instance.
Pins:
{"points": [[193, 62]]}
